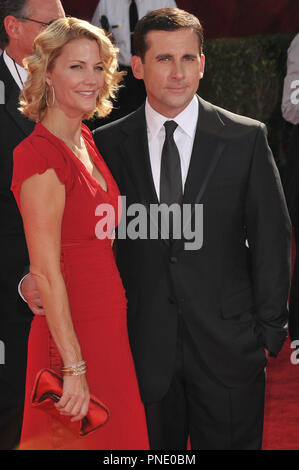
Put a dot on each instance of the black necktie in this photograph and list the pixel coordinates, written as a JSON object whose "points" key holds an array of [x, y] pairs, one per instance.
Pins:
{"points": [[133, 12], [171, 188]]}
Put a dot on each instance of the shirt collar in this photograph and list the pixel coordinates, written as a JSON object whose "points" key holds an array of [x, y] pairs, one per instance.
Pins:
{"points": [[186, 120], [11, 67]]}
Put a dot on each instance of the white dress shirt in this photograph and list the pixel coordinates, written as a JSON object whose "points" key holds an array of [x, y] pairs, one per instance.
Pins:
{"points": [[183, 137], [290, 111], [117, 13], [12, 68]]}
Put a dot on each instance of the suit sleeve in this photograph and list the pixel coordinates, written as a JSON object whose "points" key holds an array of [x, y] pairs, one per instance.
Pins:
{"points": [[269, 237]]}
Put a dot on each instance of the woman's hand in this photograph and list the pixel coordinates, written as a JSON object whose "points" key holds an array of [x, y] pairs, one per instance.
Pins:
{"points": [[75, 397]]}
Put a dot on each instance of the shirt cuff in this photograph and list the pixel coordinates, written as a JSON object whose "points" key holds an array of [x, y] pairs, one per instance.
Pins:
{"points": [[19, 288]]}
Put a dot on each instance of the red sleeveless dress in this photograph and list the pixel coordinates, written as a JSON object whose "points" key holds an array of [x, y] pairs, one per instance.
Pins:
{"points": [[97, 301]]}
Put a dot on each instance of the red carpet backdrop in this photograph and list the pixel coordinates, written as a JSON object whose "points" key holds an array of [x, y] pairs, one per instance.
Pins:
{"points": [[281, 429]]}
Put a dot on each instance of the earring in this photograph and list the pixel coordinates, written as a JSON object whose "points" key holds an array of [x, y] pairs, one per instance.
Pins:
{"points": [[53, 96]]}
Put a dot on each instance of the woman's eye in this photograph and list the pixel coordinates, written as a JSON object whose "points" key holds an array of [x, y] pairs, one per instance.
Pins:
{"points": [[75, 66], [99, 67]]}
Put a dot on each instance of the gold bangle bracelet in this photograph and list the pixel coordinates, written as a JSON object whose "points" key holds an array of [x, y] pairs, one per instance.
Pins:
{"points": [[74, 366], [75, 372]]}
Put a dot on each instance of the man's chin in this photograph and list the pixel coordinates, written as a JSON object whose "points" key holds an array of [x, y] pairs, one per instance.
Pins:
{"points": [[176, 104]]}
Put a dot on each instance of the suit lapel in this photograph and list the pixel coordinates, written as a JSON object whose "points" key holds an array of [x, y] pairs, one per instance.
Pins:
{"points": [[207, 148], [12, 93], [207, 142], [135, 150], [25, 124], [137, 160]]}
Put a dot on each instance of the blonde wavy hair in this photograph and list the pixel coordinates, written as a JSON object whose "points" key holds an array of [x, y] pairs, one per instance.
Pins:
{"points": [[47, 47]]}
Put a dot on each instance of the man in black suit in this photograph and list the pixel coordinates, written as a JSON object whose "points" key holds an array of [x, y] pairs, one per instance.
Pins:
{"points": [[201, 322], [202, 317], [20, 22]]}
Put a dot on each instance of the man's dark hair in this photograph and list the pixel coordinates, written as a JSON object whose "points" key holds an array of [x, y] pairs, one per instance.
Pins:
{"points": [[10, 7], [165, 19]]}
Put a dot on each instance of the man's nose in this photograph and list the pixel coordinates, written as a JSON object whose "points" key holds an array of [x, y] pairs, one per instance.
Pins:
{"points": [[178, 71]]}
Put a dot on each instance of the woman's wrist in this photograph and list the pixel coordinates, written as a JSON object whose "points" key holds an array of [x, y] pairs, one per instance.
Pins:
{"points": [[77, 368]]}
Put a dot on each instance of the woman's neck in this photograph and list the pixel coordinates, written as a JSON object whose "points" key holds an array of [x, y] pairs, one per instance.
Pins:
{"points": [[65, 127]]}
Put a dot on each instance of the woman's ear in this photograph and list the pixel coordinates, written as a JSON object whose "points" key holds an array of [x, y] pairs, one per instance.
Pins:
{"points": [[48, 80]]}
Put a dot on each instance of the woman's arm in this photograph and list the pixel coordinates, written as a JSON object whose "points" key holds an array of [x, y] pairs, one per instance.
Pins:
{"points": [[42, 200]]}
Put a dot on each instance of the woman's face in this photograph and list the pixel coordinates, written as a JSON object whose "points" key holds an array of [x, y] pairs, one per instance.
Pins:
{"points": [[77, 77]]}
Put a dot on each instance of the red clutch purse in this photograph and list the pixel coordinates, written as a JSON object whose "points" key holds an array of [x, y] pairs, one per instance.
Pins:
{"points": [[47, 390]]}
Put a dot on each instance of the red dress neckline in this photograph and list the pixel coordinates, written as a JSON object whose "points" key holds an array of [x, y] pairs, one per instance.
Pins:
{"points": [[97, 162]]}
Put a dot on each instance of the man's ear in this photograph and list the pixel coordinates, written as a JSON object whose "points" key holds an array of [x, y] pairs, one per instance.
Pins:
{"points": [[137, 67], [12, 27], [202, 66]]}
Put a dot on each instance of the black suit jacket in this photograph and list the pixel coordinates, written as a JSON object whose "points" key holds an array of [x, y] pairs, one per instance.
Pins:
{"points": [[15, 316], [14, 257], [233, 297]]}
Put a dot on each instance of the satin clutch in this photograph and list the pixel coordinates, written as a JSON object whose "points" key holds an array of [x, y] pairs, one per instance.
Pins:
{"points": [[47, 390]]}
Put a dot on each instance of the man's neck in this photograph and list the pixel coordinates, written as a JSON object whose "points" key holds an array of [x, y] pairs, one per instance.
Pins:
{"points": [[14, 55]]}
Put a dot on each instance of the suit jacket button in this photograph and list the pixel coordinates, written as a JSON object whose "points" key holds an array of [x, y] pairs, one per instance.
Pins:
{"points": [[173, 260]]}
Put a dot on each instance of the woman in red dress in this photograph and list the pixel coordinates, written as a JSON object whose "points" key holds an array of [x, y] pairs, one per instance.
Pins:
{"points": [[59, 181]]}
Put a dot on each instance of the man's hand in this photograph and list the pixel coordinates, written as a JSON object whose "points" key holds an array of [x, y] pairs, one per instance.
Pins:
{"points": [[31, 294], [267, 353]]}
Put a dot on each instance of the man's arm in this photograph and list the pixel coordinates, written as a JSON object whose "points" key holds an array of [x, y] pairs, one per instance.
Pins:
{"points": [[269, 236], [29, 293]]}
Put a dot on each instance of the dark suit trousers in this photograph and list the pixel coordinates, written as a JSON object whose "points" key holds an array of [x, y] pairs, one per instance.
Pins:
{"points": [[215, 417], [15, 321], [12, 381]]}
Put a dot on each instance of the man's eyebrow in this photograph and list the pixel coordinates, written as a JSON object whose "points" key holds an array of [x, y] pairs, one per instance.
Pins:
{"points": [[194, 56], [163, 56], [166, 56]]}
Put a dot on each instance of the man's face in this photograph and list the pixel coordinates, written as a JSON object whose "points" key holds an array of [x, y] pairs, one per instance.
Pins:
{"points": [[172, 69], [40, 10]]}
